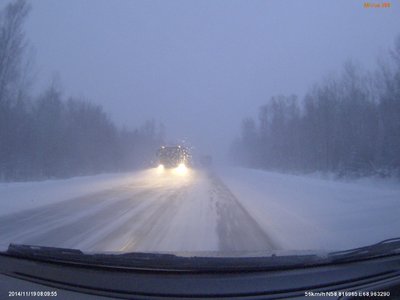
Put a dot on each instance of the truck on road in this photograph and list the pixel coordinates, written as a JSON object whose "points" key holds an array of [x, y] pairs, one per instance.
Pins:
{"points": [[173, 156]]}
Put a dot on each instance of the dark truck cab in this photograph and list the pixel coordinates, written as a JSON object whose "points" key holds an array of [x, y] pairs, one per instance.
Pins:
{"points": [[173, 156]]}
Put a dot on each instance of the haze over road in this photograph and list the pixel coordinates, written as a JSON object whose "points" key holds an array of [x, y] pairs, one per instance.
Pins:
{"points": [[154, 211]]}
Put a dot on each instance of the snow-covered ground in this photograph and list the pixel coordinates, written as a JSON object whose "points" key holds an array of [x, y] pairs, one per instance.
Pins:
{"points": [[143, 211], [233, 209], [18, 196], [306, 212]]}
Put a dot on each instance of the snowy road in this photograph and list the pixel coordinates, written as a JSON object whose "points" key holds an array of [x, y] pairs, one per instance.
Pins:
{"points": [[237, 210], [152, 211]]}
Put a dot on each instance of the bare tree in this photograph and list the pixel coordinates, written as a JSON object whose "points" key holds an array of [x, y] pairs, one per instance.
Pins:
{"points": [[12, 46], [344, 125]]}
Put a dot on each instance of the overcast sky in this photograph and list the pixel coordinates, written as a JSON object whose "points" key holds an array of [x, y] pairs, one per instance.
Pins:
{"points": [[200, 67]]}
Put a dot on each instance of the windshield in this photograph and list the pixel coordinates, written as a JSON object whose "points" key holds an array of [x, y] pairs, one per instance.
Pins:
{"points": [[223, 128]]}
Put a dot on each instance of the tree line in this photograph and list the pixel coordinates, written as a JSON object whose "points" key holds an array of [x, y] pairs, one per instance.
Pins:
{"points": [[347, 124], [53, 136]]}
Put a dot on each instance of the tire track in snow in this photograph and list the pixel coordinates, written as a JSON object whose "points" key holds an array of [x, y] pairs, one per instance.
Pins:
{"points": [[147, 233], [237, 229], [72, 222]]}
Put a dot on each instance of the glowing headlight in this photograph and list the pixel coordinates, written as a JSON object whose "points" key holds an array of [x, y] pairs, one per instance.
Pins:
{"points": [[181, 169], [160, 168]]}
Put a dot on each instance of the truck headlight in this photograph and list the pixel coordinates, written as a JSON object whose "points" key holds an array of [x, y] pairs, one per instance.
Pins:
{"points": [[160, 168], [181, 169]]}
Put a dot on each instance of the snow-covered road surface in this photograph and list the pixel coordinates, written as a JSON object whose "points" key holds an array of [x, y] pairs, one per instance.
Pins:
{"points": [[230, 210], [151, 211]]}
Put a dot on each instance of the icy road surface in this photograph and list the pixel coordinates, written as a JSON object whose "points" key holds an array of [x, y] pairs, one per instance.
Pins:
{"points": [[149, 211], [227, 210]]}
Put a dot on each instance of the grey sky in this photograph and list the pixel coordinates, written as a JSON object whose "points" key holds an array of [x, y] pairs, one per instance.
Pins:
{"points": [[200, 66]]}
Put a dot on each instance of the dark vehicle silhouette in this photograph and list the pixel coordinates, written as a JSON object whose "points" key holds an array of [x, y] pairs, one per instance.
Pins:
{"points": [[173, 156]]}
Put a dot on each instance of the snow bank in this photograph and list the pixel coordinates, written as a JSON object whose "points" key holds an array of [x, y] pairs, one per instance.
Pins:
{"points": [[15, 197], [301, 212]]}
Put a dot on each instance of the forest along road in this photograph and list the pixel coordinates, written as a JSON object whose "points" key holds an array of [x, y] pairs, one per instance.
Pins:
{"points": [[156, 211]]}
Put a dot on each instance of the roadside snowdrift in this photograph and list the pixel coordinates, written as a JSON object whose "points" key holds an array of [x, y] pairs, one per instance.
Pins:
{"points": [[19, 196], [310, 213]]}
